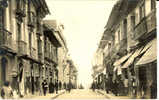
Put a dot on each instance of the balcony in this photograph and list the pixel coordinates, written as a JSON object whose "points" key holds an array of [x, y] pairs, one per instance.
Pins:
{"points": [[22, 48], [145, 26], [31, 19], [33, 53], [6, 39], [40, 57], [140, 29], [46, 54], [40, 54], [55, 59]]}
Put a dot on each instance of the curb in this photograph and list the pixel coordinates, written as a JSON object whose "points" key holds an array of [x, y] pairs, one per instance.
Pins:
{"points": [[112, 97], [52, 97], [58, 95], [103, 94]]}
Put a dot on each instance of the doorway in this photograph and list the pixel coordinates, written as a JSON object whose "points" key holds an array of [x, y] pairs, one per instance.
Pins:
{"points": [[3, 69]]}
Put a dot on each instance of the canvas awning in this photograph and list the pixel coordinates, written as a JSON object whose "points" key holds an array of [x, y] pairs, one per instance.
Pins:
{"points": [[119, 70], [131, 59], [118, 62], [150, 55]]}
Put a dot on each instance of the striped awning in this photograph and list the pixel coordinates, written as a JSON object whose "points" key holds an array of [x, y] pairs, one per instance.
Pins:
{"points": [[150, 55], [121, 60], [131, 59]]}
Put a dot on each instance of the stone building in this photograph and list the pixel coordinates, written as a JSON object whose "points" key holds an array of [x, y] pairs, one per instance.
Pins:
{"points": [[51, 45], [128, 41], [62, 50], [20, 30]]}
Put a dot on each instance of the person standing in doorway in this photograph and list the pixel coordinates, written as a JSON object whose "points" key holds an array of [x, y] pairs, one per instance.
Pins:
{"points": [[51, 86], [44, 86], [56, 86], [60, 85]]}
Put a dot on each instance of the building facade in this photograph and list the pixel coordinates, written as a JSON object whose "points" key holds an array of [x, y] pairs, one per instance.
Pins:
{"points": [[129, 37], [62, 51], [21, 23], [51, 45]]}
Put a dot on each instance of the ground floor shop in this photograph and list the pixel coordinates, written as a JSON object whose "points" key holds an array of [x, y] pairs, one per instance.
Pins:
{"points": [[134, 74]]}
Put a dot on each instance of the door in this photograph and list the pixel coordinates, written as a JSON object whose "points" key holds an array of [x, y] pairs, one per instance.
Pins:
{"points": [[3, 69]]}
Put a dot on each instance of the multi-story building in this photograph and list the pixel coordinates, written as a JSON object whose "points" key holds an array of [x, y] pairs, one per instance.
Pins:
{"points": [[62, 50], [98, 67], [51, 45], [71, 73], [130, 48], [20, 30]]}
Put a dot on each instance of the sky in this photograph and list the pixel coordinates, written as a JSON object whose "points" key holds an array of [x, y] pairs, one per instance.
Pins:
{"points": [[84, 22]]}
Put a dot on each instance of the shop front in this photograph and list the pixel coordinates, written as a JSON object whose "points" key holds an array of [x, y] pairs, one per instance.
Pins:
{"points": [[147, 72]]}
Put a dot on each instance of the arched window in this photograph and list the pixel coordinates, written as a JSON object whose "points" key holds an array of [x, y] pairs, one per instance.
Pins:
{"points": [[3, 69]]}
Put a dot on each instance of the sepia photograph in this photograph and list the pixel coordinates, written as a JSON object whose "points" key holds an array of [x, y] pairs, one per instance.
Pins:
{"points": [[78, 49]]}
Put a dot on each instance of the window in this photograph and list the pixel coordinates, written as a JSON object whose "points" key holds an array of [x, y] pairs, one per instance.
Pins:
{"points": [[132, 22], [125, 28], [153, 4], [18, 31], [142, 10], [3, 69], [39, 44]]}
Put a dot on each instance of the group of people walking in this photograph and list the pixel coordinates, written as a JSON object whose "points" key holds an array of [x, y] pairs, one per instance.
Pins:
{"points": [[51, 87], [54, 87], [118, 87], [7, 92]]}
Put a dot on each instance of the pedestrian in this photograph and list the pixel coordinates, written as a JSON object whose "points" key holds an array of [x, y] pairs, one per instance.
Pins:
{"points": [[64, 85], [6, 91], [60, 85], [134, 87], [51, 86], [69, 87], [56, 86], [93, 86], [44, 86]]}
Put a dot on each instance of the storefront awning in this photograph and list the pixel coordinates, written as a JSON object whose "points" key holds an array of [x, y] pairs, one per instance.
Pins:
{"points": [[118, 62], [150, 55], [119, 70], [131, 59]]}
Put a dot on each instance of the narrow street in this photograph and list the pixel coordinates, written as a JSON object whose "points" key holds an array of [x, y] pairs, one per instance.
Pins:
{"points": [[81, 94], [50, 46]]}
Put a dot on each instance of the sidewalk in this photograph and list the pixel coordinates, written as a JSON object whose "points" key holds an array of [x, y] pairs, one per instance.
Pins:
{"points": [[112, 96], [48, 96]]}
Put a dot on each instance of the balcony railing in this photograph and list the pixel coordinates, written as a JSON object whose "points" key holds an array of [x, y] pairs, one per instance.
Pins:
{"points": [[22, 47], [40, 57], [140, 29], [146, 25], [46, 54], [5, 38], [31, 19], [117, 48]]}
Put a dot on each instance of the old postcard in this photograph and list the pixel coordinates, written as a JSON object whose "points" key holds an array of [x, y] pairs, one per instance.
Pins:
{"points": [[78, 49]]}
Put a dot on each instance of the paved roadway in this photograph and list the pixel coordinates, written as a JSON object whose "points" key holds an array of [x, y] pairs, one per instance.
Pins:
{"points": [[81, 94]]}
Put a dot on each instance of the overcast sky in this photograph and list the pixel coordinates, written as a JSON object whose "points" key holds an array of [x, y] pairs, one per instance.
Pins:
{"points": [[84, 22]]}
